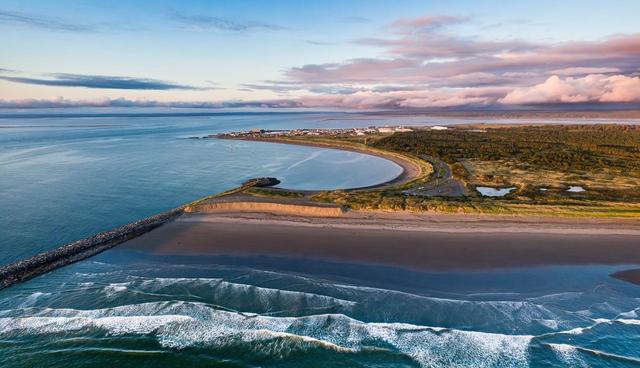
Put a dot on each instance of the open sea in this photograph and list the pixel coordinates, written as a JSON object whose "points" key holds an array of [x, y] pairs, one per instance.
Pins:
{"points": [[67, 177]]}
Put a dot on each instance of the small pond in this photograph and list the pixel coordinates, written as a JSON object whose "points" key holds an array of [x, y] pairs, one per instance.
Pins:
{"points": [[575, 189], [494, 192]]}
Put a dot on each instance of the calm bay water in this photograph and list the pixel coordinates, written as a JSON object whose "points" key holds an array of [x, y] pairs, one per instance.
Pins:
{"points": [[66, 178]]}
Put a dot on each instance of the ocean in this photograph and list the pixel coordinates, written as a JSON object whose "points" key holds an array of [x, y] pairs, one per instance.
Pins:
{"points": [[64, 178]]}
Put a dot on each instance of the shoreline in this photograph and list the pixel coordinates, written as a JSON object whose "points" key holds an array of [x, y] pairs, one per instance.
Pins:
{"points": [[423, 243], [79, 250], [401, 221], [388, 238], [236, 222], [410, 170]]}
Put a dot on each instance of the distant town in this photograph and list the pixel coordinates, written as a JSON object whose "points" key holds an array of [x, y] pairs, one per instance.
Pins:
{"points": [[371, 130]]}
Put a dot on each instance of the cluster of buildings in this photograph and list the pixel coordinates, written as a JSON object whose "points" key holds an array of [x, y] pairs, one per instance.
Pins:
{"points": [[320, 132]]}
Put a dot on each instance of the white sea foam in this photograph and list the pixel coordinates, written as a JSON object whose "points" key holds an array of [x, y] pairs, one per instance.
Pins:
{"points": [[574, 331], [32, 299], [629, 314], [314, 155], [215, 288], [568, 354], [112, 290], [356, 158], [549, 323], [504, 316], [180, 325], [602, 321]]}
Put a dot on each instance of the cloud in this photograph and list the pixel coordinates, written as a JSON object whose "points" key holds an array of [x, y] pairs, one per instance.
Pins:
{"points": [[101, 82], [592, 88], [122, 102], [274, 86], [318, 43], [425, 23], [365, 70], [46, 23], [422, 51], [205, 22], [424, 65], [398, 99], [585, 71], [355, 19]]}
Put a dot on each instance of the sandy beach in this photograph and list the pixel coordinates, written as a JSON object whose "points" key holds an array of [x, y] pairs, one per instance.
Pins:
{"points": [[422, 242]]}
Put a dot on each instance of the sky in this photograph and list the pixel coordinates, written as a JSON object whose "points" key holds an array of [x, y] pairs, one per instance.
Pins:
{"points": [[322, 54]]}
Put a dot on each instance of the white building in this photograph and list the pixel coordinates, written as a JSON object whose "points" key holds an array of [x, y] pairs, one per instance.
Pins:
{"points": [[386, 130]]}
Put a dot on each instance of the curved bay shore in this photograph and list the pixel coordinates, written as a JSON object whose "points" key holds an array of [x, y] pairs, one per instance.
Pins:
{"points": [[411, 169], [233, 223], [84, 248]]}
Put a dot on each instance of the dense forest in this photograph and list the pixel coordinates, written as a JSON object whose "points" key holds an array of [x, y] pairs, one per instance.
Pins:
{"points": [[552, 147]]}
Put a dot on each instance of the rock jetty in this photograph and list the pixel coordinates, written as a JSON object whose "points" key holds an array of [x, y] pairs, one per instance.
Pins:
{"points": [[81, 249], [261, 182]]}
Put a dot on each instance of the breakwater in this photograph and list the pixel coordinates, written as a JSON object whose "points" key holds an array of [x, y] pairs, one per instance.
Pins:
{"points": [[87, 247], [81, 249]]}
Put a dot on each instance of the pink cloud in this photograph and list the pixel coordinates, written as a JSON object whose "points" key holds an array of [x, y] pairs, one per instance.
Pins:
{"points": [[427, 22], [421, 51], [359, 70], [592, 88], [439, 58], [585, 70], [423, 65], [429, 67], [409, 99]]}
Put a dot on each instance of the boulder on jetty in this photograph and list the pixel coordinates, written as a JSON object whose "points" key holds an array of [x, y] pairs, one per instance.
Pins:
{"points": [[261, 182]]}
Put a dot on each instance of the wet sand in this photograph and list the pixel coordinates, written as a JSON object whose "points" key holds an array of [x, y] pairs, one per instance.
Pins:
{"points": [[632, 275], [422, 242]]}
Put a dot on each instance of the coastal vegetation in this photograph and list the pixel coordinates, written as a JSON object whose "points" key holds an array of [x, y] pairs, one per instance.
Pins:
{"points": [[540, 162], [572, 148], [604, 159]]}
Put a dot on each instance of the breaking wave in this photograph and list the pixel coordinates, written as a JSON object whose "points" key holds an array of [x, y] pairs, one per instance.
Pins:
{"points": [[264, 318], [179, 325]]}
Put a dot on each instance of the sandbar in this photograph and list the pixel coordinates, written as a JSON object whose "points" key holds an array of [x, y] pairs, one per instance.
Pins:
{"points": [[413, 241]]}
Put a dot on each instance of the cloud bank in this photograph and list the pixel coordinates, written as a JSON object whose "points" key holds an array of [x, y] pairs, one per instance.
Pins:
{"points": [[592, 88], [425, 65], [61, 102], [100, 82], [46, 23], [422, 63]]}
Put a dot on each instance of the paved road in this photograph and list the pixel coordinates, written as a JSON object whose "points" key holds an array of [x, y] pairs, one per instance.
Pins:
{"points": [[443, 183]]}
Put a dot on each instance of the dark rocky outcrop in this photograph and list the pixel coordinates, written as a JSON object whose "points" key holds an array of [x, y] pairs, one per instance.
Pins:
{"points": [[85, 248], [81, 249], [261, 182]]}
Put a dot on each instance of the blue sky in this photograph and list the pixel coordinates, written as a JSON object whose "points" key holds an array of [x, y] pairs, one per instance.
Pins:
{"points": [[352, 54]]}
